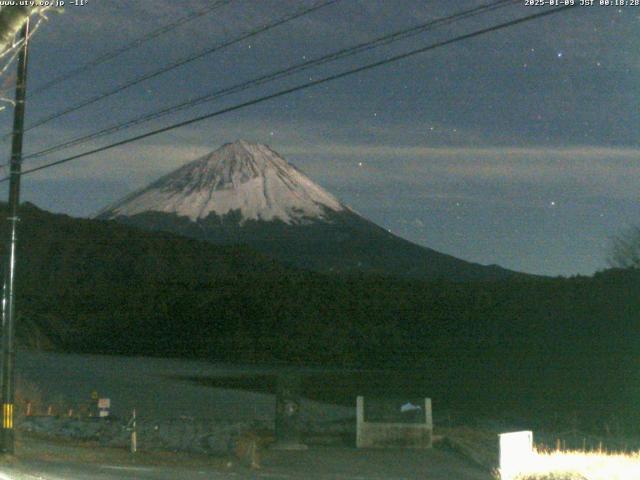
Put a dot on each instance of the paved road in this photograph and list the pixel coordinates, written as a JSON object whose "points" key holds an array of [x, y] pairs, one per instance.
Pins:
{"points": [[320, 463]]}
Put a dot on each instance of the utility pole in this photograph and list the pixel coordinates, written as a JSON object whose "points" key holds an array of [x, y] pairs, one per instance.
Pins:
{"points": [[7, 436]]}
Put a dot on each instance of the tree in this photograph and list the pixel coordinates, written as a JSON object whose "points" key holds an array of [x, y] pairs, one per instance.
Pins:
{"points": [[625, 249]]}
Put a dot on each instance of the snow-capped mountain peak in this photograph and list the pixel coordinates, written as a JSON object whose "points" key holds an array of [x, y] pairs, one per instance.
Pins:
{"points": [[241, 176]]}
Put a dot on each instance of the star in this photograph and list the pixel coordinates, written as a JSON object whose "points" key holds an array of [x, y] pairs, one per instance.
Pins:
{"points": [[559, 54], [552, 203]]}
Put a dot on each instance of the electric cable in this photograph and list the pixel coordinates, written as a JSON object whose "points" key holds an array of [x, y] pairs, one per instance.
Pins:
{"points": [[303, 86], [280, 21], [343, 53], [130, 46]]}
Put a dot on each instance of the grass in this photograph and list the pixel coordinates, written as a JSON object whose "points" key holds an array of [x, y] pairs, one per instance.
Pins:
{"points": [[578, 465]]}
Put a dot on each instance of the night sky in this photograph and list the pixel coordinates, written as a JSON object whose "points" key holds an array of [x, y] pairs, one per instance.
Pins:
{"points": [[518, 148]]}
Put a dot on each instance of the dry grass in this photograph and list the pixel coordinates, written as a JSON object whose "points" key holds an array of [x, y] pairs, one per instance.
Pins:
{"points": [[577, 465], [482, 447]]}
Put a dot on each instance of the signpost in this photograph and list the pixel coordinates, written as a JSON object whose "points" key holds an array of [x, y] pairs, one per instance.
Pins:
{"points": [[104, 404], [288, 435]]}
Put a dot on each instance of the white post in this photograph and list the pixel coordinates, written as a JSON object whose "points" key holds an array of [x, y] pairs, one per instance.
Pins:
{"points": [[360, 420], [134, 434], [516, 453], [428, 416]]}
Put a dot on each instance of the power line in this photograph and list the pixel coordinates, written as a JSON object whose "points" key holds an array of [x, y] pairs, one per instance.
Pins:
{"points": [[179, 63], [302, 87], [343, 53], [130, 46], [403, 34]]}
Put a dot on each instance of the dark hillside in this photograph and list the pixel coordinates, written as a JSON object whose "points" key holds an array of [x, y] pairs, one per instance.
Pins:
{"points": [[527, 343]]}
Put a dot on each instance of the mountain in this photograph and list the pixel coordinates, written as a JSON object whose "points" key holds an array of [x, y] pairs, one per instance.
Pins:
{"points": [[239, 177], [246, 193]]}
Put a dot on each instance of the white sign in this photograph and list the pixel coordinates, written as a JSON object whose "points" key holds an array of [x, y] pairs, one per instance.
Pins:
{"points": [[103, 413], [104, 403], [516, 451]]}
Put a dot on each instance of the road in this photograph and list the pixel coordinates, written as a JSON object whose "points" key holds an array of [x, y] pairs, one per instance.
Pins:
{"points": [[318, 463]]}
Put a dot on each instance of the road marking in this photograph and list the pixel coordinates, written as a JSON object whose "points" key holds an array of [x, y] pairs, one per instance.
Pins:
{"points": [[126, 467], [358, 477], [17, 475], [277, 476]]}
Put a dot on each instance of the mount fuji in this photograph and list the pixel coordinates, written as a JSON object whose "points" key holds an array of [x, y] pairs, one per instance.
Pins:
{"points": [[246, 193]]}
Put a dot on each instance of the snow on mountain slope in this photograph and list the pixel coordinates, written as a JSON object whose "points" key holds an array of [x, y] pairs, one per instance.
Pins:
{"points": [[240, 176], [247, 194]]}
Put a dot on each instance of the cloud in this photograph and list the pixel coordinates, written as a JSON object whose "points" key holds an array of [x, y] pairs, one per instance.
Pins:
{"points": [[582, 171], [382, 167], [134, 166]]}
